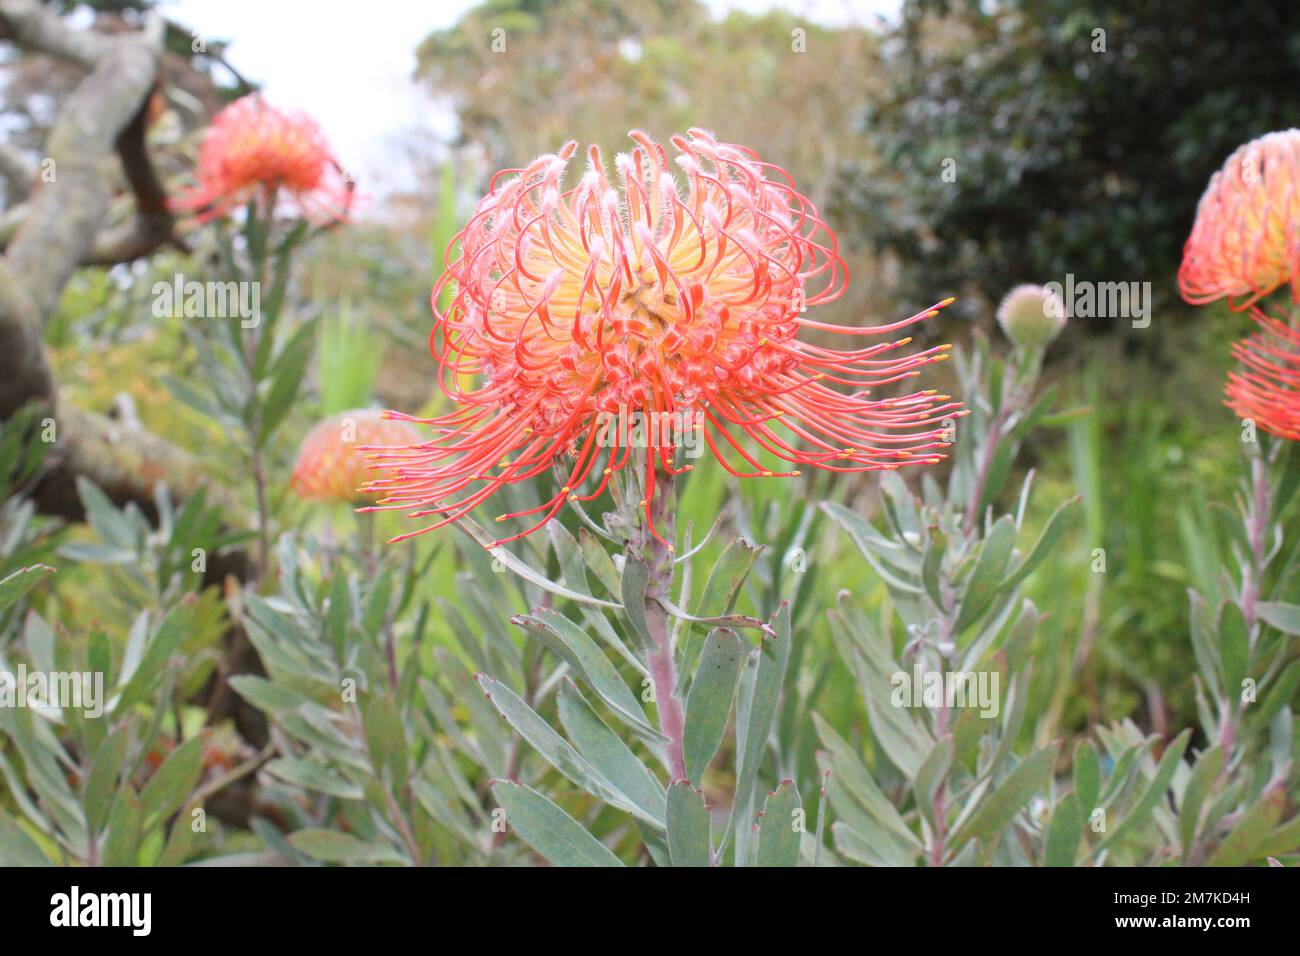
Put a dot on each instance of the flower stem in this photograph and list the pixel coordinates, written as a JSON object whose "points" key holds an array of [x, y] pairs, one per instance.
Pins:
{"points": [[659, 661]]}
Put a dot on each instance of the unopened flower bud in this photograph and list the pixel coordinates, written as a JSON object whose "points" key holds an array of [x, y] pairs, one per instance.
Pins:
{"points": [[1031, 316]]}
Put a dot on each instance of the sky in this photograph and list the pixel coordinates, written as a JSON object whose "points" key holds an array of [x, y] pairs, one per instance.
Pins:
{"points": [[353, 73]]}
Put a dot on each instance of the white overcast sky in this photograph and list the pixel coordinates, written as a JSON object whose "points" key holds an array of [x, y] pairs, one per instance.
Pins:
{"points": [[349, 64]]}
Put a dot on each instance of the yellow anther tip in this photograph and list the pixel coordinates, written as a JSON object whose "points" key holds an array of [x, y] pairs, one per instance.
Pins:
{"points": [[947, 302]]}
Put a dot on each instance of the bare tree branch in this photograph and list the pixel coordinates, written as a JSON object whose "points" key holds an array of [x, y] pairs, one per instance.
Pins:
{"points": [[66, 213], [35, 27], [16, 168]]}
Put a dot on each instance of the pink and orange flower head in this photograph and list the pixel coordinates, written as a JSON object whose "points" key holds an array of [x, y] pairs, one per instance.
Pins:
{"points": [[254, 151], [334, 457], [1266, 385], [664, 291], [1246, 239]]}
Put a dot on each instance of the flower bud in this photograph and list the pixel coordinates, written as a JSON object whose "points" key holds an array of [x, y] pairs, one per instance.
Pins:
{"points": [[1031, 316]]}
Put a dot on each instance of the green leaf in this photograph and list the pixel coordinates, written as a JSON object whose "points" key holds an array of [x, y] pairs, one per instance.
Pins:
{"points": [[1204, 646], [1198, 786], [14, 587], [688, 826], [141, 681], [1154, 791], [760, 692], [269, 696], [550, 831], [985, 581], [1284, 839], [1007, 799], [932, 772], [333, 846], [1244, 841], [1087, 775], [598, 561], [555, 749], [636, 578], [173, 783], [313, 777], [851, 779], [1285, 617], [101, 783], [607, 752], [286, 376], [122, 845], [386, 740], [17, 848], [778, 838], [709, 703], [1047, 539], [572, 645], [1064, 833], [1234, 646], [931, 563], [520, 567], [726, 578]]}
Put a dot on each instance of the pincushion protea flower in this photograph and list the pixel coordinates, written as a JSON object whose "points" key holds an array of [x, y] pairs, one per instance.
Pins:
{"points": [[255, 151], [575, 304], [1266, 388], [1246, 240], [333, 458]]}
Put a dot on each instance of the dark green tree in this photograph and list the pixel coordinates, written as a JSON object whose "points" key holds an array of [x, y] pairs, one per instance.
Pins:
{"points": [[1077, 137]]}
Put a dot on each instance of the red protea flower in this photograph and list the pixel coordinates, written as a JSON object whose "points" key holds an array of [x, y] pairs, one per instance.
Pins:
{"points": [[1246, 240], [254, 151], [1266, 387], [334, 457], [576, 305]]}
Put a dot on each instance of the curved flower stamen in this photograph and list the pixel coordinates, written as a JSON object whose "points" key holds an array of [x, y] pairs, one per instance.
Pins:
{"points": [[1266, 388]]}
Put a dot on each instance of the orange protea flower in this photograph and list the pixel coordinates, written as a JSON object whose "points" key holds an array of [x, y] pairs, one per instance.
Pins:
{"points": [[574, 306], [1267, 386], [254, 151], [1246, 240], [332, 461]]}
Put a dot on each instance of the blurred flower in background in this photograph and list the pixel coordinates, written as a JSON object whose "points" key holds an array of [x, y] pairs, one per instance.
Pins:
{"points": [[1246, 243], [333, 458], [1246, 239], [254, 151], [596, 301]]}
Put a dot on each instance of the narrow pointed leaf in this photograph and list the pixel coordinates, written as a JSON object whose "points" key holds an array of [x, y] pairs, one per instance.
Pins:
{"points": [[550, 831], [688, 826], [709, 703]]}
